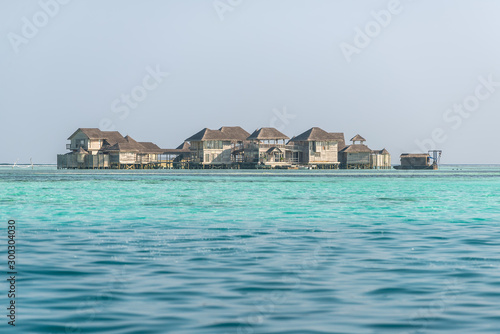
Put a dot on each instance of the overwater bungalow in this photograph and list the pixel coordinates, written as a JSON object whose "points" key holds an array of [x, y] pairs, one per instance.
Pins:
{"points": [[91, 148], [227, 147], [267, 147], [316, 147], [380, 159], [217, 148], [420, 160], [356, 155], [414, 161], [359, 156]]}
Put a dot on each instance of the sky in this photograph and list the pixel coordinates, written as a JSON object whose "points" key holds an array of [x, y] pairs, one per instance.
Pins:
{"points": [[408, 75]]}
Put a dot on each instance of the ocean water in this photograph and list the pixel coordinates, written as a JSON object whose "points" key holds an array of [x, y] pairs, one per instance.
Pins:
{"points": [[176, 251]]}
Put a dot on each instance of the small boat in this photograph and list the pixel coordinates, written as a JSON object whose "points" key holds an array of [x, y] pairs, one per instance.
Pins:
{"points": [[16, 166]]}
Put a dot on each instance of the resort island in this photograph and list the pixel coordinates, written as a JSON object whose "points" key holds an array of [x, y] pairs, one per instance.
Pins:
{"points": [[230, 147]]}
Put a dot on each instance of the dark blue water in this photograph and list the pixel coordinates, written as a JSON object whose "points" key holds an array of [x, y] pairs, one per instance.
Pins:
{"points": [[254, 252]]}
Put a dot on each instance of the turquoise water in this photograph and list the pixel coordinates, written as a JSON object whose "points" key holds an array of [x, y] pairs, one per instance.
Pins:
{"points": [[254, 251]]}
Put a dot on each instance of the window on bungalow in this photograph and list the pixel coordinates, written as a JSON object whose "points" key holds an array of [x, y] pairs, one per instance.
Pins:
{"points": [[213, 144]]}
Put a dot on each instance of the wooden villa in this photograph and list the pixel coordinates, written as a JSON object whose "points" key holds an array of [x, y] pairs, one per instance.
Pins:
{"points": [[91, 148], [316, 147], [227, 147], [267, 147], [356, 155], [233, 147], [414, 160], [420, 160], [380, 159], [217, 148], [359, 156]]}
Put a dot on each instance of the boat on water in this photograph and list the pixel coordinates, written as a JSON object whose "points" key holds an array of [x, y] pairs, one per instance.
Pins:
{"points": [[17, 166]]}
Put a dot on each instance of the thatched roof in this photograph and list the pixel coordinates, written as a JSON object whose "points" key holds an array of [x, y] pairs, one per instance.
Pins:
{"points": [[339, 136], [183, 146], [128, 145], [234, 133], [114, 141], [267, 134], [207, 134], [316, 134], [91, 133], [382, 151], [224, 133], [130, 139], [149, 146], [357, 148], [414, 155], [357, 138], [111, 137], [124, 147]]}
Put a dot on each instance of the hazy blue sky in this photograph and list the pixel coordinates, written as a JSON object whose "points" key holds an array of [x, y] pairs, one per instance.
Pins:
{"points": [[245, 63]]}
